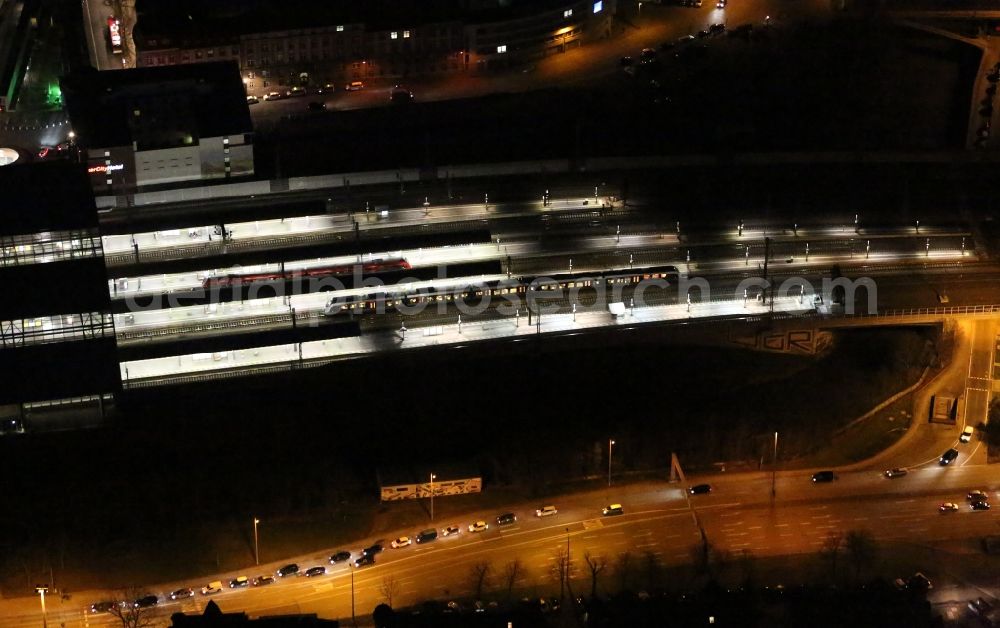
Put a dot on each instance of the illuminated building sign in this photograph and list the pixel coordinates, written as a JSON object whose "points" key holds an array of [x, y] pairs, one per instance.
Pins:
{"points": [[105, 169]]}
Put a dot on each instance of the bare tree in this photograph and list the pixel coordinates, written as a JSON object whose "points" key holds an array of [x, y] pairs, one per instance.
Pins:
{"points": [[623, 568], [861, 549], [830, 551], [480, 574], [511, 572], [389, 588], [596, 564], [130, 615]]}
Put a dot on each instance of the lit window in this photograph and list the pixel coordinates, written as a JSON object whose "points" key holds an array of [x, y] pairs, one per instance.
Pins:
{"points": [[568, 13], [502, 49], [406, 34], [340, 28], [394, 35], [598, 6]]}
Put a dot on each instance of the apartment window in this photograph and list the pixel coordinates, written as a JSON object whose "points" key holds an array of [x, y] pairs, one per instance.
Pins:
{"points": [[340, 28], [225, 140], [406, 34], [502, 49], [568, 13], [394, 35]]}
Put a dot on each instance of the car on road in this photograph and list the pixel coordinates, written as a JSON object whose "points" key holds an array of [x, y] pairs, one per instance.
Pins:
{"points": [[612, 509], [898, 472], [647, 56], [685, 39], [717, 29], [545, 511], [625, 62], [274, 96], [450, 531], [263, 580], [980, 607], [180, 594], [326, 89], [146, 601], [977, 496], [239, 582], [506, 519], [948, 457], [824, 476], [103, 607], [354, 86], [252, 100], [374, 548], [478, 526], [340, 557], [981, 505], [297, 91], [288, 570], [365, 560], [721, 4], [400, 95], [667, 45], [316, 106], [948, 507], [967, 435], [402, 541], [319, 570], [212, 587], [703, 34], [700, 489], [426, 536]]}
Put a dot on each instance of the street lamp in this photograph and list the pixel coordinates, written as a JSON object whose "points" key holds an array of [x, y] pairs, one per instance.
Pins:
{"points": [[42, 589], [610, 445], [432, 496], [256, 546], [774, 465]]}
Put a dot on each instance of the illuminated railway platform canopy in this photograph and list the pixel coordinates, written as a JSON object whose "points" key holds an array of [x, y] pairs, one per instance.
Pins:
{"points": [[57, 342]]}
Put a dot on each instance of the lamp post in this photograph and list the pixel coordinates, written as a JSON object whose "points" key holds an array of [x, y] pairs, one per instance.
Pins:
{"points": [[432, 496], [42, 589], [256, 545], [774, 465], [610, 445]]}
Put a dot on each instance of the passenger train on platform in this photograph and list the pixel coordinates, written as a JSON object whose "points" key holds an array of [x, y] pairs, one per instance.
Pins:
{"points": [[511, 289], [365, 268]]}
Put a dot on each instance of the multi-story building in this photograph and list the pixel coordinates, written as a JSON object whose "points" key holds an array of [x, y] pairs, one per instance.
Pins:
{"points": [[358, 42], [163, 125], [58, 356]]}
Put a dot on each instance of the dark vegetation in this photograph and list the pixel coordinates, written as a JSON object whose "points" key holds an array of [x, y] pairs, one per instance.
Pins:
{"points": [[186, 469]]}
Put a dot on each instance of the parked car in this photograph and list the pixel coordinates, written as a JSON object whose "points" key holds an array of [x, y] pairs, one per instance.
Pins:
{"points": [[700, 489], [506, 519], [288, 570], [326, 89], [146, 601], [103, 607], [948, 457], [340, 557], [316, 571], [824, 476], [274, 96], [263, 580], [613, 509], [239, 582], [478, 526], [450, 531], [402, 541], [180, 594], [425, 536], [546, 511], [625, 62], [648, 55], [898, 472], [252, 100], [374, 548], [297, 91], [212, 587]]}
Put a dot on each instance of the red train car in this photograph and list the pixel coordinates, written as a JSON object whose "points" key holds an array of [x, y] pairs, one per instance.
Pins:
{"points": [[371, 267]]}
